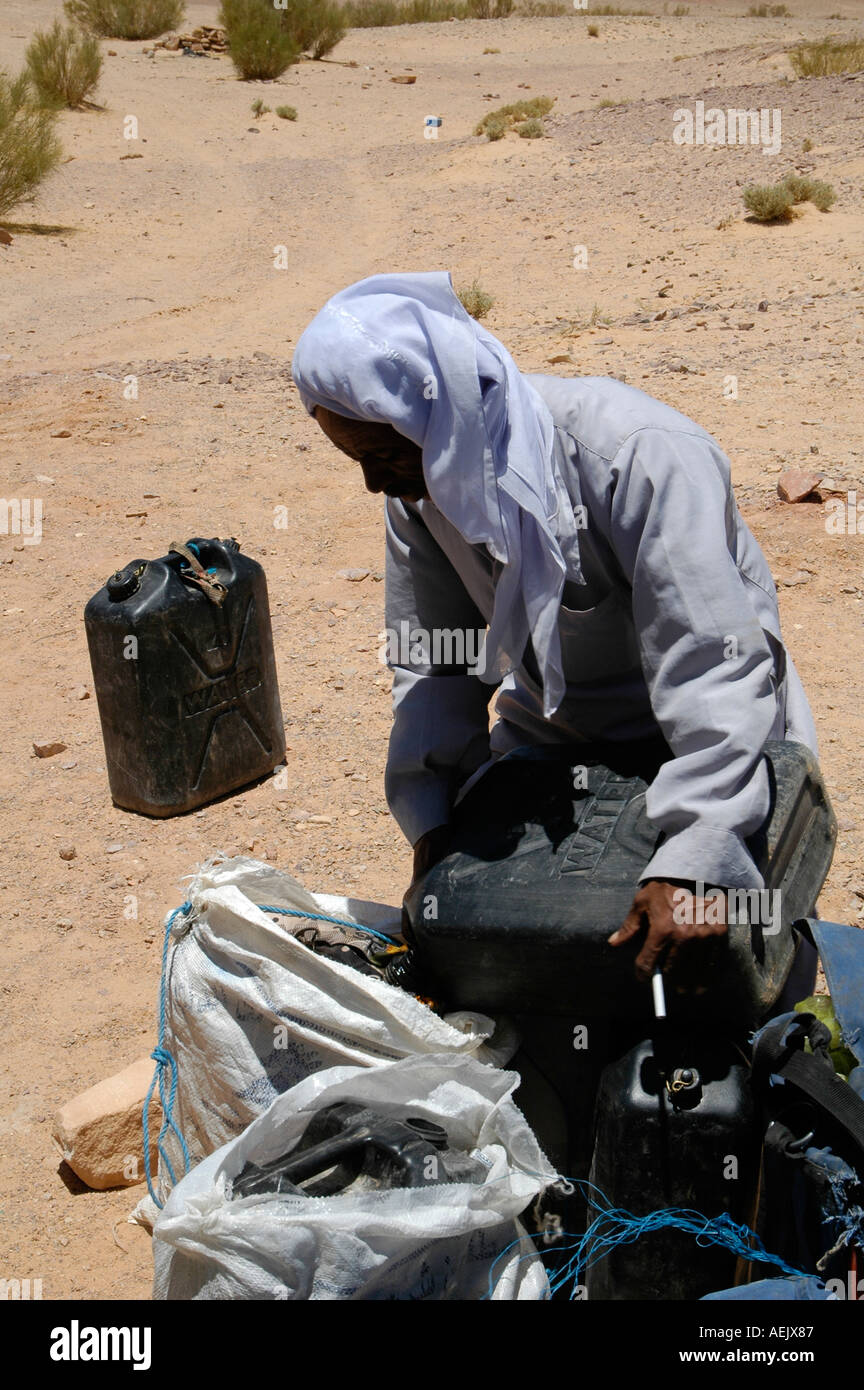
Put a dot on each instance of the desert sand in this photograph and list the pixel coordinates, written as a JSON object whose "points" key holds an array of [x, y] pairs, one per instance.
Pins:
{"points": [[164, 271]]}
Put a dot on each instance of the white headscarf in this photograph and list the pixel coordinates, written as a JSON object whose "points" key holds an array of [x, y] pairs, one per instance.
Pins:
{"points": [[401, 349]]}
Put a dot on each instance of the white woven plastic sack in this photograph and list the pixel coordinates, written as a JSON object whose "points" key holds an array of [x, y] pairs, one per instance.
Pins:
{"points": [[250, 1012], [446, 1241]]}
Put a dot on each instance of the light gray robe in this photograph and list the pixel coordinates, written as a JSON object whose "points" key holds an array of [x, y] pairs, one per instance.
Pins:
{"points": [[674, 629]]}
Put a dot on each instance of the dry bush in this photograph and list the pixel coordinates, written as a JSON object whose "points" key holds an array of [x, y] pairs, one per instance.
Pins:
{"points": [[259, 43], [29, 148], [474, 299], [769, 202], [127, 19], [314, 26], [807, 190], [63, 64], [287, 113], [826, 57], [496, 123]]}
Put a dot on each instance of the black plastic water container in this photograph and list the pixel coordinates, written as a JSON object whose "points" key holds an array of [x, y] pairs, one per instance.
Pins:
{"points": [[543, 869], [675, 1127], [185, 676]]}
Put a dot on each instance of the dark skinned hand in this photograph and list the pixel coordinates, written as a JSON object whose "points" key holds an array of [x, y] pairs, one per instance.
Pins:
{"points": [[690, 947]]}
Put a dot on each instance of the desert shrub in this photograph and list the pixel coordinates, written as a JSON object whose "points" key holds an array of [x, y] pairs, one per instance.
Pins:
{"points": [[474, 299], [593, 31], [807, 190], [287, 113], [825, 57], [379, 14], [315, 26], [807, 145], [543, 9], [768, 12], [258, 108], [506, 117], [29, 148], [63, 64], [769, 202], [127, 19], [530, 130], [489, 9], [259, 43]]}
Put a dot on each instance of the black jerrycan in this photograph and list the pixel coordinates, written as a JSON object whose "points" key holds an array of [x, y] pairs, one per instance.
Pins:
{"points": [[675, 1126], [182, 655]]}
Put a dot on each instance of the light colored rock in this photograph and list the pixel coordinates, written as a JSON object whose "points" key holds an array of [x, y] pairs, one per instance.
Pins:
{"points": [[99, 1132]]}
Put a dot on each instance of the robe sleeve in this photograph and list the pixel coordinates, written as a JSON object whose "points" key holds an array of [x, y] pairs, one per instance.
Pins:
{"points": [[706, 660], [440, 732]]}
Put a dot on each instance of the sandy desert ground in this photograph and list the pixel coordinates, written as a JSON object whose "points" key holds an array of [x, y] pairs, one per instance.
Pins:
{"points": [[164, 270]]}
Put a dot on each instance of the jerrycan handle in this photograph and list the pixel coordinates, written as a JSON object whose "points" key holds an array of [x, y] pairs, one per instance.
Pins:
{"points": [[196, 573]]}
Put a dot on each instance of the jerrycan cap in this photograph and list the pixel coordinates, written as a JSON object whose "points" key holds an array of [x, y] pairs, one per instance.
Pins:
{"points": [[126, 582]]}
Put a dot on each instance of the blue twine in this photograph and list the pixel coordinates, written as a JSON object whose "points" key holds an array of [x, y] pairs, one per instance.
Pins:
{"points": [[614, 1226], [322, 917], [163, 1058]]}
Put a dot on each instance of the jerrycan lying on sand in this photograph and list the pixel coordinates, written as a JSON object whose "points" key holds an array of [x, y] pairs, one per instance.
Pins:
{"points": [[185, 677]]}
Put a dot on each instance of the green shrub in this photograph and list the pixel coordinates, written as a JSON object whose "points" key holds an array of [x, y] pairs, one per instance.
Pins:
{"points": [[769, 202], [768, 12], [505, 117], [287, 113], [314, 26], [380, 14], [826, 57], [807, 190], [259, 43], [63, 64], [530, 130], [490, 9], [127, 19], [29, 148], [475, 300], [258, 108]]}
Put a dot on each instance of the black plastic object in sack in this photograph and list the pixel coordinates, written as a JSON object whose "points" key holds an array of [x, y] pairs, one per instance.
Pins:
{"points": [[185, 677], [675, 1127], [543, 869], [348, 1145]]}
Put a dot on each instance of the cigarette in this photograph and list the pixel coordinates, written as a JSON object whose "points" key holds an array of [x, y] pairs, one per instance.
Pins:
{"points": [[658, 992]]}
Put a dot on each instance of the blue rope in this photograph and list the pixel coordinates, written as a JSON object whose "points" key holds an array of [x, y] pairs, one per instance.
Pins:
{"points": [[322, 917], [615, 1226], [163, 1058]]}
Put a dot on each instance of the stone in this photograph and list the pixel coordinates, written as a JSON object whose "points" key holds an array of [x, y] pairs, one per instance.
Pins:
{"points": [[407, 79], [62, 434], [48, 747], [354, 576], [67, 852], [99, 1132], [794, 485]]}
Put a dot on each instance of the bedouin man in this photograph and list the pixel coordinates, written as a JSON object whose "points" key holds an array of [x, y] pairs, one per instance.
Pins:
{"points": [[592, 532]]}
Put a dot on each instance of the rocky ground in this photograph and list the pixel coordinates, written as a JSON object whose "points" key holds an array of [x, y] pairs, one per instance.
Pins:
{"points": [[145, 385]]}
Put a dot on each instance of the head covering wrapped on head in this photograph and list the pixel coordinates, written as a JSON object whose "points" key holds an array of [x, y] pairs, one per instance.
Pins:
{"points": [[401, 350]]}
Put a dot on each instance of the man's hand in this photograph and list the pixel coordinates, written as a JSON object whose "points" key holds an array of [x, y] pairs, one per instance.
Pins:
{"points": [[688, 929]]}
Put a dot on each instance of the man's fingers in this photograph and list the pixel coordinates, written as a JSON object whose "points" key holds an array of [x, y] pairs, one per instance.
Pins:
{"points": [[629, 927], [655, 944]]}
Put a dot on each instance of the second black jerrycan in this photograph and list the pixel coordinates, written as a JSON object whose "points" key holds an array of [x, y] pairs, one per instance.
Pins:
{"points": [[185, 677]]}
